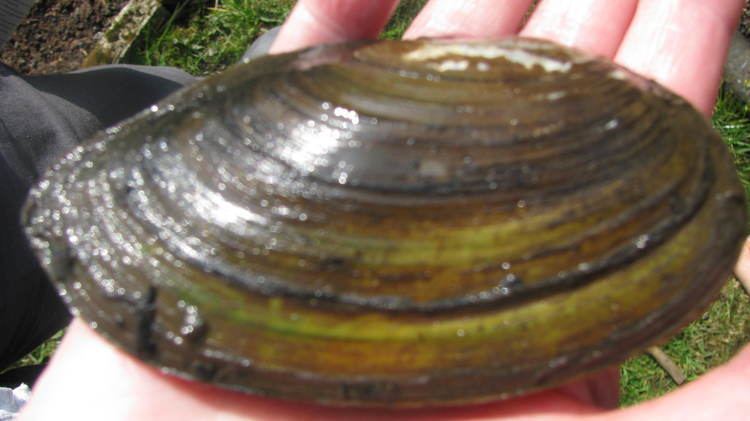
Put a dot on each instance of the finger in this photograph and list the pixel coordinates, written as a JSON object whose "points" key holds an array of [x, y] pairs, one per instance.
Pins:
{"points": [[597, 26], [682, 44], [719, 395], [468, 19], [742, 269], [83, 359], [313, 22]]}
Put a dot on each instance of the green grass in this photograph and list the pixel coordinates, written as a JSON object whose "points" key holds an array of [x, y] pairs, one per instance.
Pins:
{"points": [[205, 40], [401, 18], [38, 355], [705, 343], [731, 121]]}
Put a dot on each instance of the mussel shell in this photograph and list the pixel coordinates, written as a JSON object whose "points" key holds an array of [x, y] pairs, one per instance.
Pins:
{"points": [[396, 223]]}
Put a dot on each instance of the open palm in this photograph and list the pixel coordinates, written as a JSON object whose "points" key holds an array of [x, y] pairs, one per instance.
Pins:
{"points": [[680, 43]]}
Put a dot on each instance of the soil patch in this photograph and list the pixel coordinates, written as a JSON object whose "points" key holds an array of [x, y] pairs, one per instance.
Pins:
{"points": [[57, 34]]}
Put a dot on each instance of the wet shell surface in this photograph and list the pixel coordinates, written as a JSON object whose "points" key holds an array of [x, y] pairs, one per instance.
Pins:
{"points": [[396, 223]]}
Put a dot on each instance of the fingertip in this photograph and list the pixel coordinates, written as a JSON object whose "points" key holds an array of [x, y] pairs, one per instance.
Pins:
{"points": [[314, 22], [740, 364], [682, 44], [469, 19], [742, 268], [596, 26]]}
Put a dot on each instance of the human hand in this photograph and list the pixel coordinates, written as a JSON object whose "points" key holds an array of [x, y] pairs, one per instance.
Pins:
{"points": [[680, 43]]}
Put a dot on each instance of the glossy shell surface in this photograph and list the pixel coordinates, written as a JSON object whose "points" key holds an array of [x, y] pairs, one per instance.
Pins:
{"points": [[396, 223]]}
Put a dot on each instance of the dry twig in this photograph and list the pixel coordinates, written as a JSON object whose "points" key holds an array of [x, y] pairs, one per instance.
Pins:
{"points": [[667, 364]]}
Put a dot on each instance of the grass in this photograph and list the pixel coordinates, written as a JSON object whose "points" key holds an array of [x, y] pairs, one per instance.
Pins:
{"points": [[731, 121], [401, 18], [708, 342], [40, 354], [204, 40]]}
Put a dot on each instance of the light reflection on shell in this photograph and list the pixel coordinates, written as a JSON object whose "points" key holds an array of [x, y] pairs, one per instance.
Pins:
{"points": [[396, 223]]}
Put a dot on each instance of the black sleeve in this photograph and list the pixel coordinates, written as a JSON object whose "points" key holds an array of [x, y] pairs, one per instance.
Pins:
{"points": [[40, 118]]}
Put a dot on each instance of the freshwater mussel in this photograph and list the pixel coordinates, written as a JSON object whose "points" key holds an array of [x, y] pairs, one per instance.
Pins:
{"points": [[395, 223]]}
